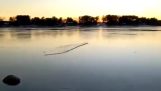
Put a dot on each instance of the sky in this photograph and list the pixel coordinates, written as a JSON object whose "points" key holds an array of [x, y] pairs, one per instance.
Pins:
{"points": [[75, 8]]}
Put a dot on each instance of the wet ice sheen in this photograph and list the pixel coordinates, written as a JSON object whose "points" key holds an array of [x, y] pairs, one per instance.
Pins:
{"points": [[119, 59]]}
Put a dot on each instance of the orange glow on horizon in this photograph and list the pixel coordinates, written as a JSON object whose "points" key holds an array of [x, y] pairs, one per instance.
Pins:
{"points": [[76, 8]]}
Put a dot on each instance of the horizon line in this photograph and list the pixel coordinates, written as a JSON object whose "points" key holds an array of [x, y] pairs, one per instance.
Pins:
{"points": [[76, 17]]}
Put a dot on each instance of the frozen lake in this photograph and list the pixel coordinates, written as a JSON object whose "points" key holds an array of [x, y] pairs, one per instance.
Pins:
{"points": [[115, 59]]}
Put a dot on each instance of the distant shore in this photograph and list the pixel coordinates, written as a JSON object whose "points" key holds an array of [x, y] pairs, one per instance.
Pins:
{"points": [[84, 21]]}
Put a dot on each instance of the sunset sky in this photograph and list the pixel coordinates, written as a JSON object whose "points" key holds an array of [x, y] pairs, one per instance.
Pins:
{"points": [[75, 8]]}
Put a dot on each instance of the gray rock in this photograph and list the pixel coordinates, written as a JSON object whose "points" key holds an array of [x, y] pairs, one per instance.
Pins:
{"points": [[11, 80]]}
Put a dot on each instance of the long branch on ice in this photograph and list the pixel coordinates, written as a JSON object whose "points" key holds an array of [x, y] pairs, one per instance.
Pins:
{"points": [[47, 54]]}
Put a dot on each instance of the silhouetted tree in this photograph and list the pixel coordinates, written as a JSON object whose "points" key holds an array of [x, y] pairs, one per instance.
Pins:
{"points": [[128, 20], [51, 21], [70, 22], [111, 19], [159, 22], [60, 22], [152, 21], [54, 21], [1, 22], [88, 20], [12, 21], [23, 20], [142, 21], [36, 21]]}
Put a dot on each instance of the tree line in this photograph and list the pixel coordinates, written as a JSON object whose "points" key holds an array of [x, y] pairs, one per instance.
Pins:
{"points": [[86, 20]]}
